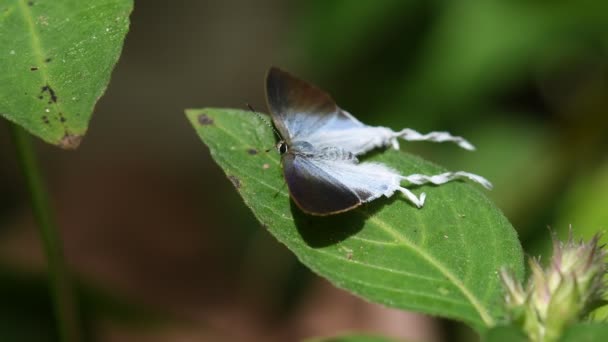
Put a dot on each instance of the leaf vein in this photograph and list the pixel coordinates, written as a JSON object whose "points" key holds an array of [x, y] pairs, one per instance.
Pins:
{"points": [[376, 242], [405, 291], [474, 301], [381, 268], [38, 52]]}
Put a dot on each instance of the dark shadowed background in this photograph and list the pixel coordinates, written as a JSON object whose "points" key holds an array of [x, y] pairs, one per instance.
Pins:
{"points": [[162, 245]]}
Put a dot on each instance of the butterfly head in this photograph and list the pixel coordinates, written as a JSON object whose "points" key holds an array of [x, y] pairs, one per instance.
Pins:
{"points": [[282, 147]]}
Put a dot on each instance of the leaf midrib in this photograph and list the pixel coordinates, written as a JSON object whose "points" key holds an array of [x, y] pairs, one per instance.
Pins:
{"points": [[483, 313], [36, 46]]}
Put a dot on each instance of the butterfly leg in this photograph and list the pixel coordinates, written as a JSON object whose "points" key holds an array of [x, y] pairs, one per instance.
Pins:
{"points": [[409, 134], [442, 178]]}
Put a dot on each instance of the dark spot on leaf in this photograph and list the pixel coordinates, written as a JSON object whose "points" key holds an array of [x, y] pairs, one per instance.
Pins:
{"points": [[30, 3], [45, 119], [62, 118], [48, 60], [33, 68], [70, 141], [235, 181], [53, 96], [349, 255], [204, 120], [252, 151], [40, 97]]}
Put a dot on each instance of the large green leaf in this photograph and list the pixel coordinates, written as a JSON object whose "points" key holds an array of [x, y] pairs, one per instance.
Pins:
{"points": [[56, 57], [442, 259]]}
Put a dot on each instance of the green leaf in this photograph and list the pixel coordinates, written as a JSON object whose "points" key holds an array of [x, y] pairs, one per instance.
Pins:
{"points": [[441, 260], [56, 57], [584, 332], [580, 332], [505, 333]]}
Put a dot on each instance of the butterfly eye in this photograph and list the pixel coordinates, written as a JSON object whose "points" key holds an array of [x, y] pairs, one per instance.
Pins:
{"points": [[282, 148]]}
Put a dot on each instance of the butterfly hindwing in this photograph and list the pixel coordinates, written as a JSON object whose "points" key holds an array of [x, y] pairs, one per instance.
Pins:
{"points": [[314, 190]]}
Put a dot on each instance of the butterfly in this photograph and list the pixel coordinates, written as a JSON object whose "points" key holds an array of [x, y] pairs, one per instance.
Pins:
{"points": [[319, 145]]}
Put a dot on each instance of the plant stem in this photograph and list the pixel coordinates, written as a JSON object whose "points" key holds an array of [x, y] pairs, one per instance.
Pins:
{"points": [[60, 285]]}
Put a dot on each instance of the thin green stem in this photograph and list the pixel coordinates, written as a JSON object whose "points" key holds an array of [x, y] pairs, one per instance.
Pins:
{"points": [[60, 285]]}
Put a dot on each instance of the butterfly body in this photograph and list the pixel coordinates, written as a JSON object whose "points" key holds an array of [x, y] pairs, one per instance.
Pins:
{"points": [[306, 149]]}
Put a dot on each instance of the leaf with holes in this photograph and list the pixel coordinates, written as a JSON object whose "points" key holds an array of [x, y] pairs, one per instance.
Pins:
{"points": [[56, 57], [442, 259]]}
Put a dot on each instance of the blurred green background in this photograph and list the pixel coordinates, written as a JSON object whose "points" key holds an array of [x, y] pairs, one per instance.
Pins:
{"points": [[163, 247]]}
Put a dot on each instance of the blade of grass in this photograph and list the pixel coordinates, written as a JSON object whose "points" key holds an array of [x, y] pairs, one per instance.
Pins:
{"points": [[60, 285]]}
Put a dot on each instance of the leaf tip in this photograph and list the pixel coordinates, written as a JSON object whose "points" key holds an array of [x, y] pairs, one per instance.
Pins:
{"points": [[70, 141]]}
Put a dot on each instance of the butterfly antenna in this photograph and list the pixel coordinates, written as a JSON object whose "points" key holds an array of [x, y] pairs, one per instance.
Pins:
{"points": [[264, 120]]}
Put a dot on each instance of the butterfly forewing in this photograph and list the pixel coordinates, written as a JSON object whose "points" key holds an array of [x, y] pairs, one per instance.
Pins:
{"points": [[297, 107], [314, 190]]}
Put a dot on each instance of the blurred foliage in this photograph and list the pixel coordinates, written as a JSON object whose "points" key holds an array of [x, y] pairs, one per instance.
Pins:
{"points": [[504, 334], [582, 332], [26, 308], [586, 332]]}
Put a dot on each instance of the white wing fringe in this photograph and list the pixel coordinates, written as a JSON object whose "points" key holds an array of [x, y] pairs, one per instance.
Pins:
{"points": [[417, 201], [442, 178], [409, 134]]}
